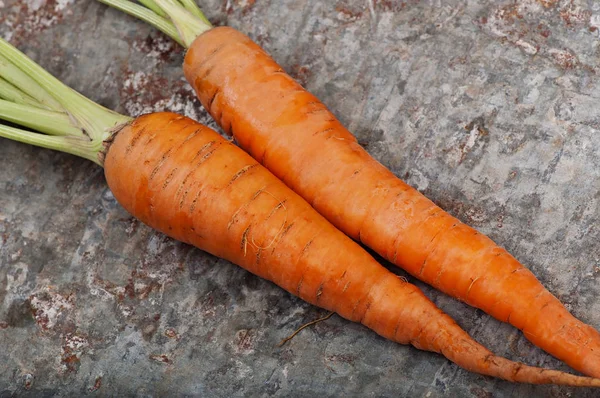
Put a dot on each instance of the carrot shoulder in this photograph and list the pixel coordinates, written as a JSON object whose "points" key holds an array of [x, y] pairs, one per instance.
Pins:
{"points": [[296, 137]]}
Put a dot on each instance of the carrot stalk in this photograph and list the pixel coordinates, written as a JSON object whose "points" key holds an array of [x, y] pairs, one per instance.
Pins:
{"points": [[13, 94], [182, 22], [295, 136], [188, 25], [147, 15], [73, 145], [48, 122], [190, 183], [193, 8], [154, 7], [93, 119], [23, 82], [78, 127]]}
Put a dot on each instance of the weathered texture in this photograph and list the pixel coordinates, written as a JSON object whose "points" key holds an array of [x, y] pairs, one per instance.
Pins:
{"points": [[489, 108]]}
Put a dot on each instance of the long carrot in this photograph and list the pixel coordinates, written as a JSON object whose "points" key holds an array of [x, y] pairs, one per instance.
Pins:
{"points": [[296, 137], [187, 181]]}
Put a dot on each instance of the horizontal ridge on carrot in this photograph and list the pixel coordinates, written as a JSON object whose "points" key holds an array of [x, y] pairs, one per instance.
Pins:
{"points": [[296, 137], [188, 182]]}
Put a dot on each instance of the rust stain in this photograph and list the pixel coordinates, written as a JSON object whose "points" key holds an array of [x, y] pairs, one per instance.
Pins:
{"points": [[481, 393], [160, 94], [245, 340], [208, 307], [301, 73], [171, 333], [71, 362], [564, 58], [97, 384], [475, 216], [244, 5], [482, 130], [510, 26], [344, 358], [574, 15], [348, 13], [460, 60], [547, 3], [28, 382], [130, 288], [389, 5], [159, 47], [29, 18], [162, 358], [72, 347], [477, 130], [48, 308], [500, 221], [508, 13], [139, 286], [132, 227]]}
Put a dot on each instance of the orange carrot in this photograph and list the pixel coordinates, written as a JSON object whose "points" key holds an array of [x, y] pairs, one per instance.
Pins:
{"points": [[187, 181], [296, 137]]}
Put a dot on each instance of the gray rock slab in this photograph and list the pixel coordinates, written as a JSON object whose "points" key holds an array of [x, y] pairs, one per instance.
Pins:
{"points": [[490, 108]]}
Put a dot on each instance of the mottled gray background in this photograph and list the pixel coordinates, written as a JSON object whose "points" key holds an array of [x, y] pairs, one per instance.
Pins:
{"points": [[489, 108]]}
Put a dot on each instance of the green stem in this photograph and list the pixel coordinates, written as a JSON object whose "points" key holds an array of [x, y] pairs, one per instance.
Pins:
{"points": [[74, 145], [13, 94], [12, 74], [81, 127], [192, 7], [95, 120], [189, 25], [146, 15], [48, 122], [154, 7], [185, 20]]}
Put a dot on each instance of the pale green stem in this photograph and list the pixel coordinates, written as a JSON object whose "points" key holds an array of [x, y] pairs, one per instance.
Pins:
{"points": [[74, 145], [192, 7], [94, 119], [12, 74], [48, 122], [13, 94], [189, 25], [154, 7], [81, 129], [146, 15]]}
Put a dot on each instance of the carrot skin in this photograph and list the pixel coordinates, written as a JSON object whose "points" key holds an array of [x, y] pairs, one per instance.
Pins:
{"points": [[291, 132], [185, 180]]}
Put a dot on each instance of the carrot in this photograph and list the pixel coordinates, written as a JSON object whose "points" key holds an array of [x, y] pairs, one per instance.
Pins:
{"points": [[185, 180], [296, 137]]}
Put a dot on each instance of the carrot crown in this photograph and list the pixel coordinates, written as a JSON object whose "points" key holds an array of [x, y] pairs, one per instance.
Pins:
{"points": [[182, 20], [56, 116]]}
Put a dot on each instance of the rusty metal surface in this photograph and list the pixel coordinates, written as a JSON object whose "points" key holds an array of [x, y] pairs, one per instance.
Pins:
{"points": [[489, 108]]}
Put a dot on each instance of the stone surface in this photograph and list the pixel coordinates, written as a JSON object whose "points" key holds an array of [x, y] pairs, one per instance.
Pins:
{"points": [[489, 108]]}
